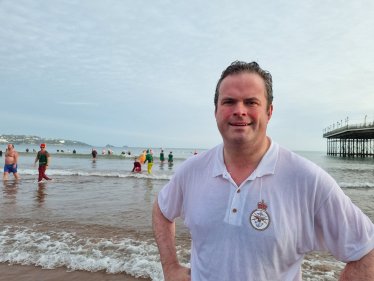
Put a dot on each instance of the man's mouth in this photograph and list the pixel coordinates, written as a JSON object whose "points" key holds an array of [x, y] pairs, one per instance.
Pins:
{"points": [[240, 124]]}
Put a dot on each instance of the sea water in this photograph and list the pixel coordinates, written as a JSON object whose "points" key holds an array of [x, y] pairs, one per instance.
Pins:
{"points": [[97, 216]]}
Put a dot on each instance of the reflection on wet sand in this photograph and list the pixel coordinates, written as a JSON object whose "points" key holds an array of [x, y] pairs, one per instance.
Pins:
{"points": [[10, 191], [40, 193]]}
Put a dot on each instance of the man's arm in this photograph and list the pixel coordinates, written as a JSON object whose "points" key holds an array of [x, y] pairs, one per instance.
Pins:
{"points": [[164, 232], [36, 160], [15, 159], [48, 159], [361, 270]]}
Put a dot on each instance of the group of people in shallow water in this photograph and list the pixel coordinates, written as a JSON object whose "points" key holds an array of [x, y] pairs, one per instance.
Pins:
{"points": [[147, 156]]}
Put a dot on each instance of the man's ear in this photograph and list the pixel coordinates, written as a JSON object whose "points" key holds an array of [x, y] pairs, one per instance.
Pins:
{"points": [[270, 112]]}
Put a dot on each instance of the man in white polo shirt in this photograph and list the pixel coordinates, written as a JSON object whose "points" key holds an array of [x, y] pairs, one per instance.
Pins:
{"points": [[254, 208]]}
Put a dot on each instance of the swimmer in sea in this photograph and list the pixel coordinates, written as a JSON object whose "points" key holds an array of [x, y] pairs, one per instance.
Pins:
{"points": [[162, 156], [103, 151], [195, 152], [151, 151], [11, 159], [74, 151], [149, 158], [170, 160], [137, 166]]}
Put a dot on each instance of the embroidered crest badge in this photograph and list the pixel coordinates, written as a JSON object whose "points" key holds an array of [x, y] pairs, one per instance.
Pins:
{"points": [[259, 218]]}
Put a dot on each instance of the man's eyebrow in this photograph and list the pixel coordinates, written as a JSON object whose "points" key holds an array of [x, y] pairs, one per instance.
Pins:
{"points": [[233, 99]]}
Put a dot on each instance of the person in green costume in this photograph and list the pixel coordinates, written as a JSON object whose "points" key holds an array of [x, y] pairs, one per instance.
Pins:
{"points": [[162, 156], [43, 157], [170, 160], [149, 158]]}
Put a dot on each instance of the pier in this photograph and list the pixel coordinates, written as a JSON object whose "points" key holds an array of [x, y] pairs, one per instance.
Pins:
{"points": [[350, 140]]}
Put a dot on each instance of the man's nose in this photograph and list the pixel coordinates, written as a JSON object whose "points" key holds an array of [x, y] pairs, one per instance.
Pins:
{"points": [[240, 109]]}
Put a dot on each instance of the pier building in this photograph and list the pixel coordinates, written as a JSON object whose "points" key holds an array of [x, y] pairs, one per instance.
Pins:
{"points": [[350, 140]]}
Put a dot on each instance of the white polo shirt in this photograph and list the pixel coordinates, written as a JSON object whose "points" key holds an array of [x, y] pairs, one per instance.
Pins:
{"points": [[306, 211]]}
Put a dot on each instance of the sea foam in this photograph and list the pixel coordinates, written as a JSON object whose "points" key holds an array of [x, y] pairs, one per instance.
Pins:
{"points": [[67, 172], [21, 245]]}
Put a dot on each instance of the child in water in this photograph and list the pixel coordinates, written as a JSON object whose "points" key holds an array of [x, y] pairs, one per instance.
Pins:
{"points": [[137, 166]]}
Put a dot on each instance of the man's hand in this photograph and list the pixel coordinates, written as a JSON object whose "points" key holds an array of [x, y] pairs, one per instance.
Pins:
{"points": [[178, 273], [35, 165], [14, 166], [46, 167]]}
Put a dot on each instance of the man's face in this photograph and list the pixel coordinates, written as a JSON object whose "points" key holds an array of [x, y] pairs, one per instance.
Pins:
{"points": [[241, 113], [10, 146]]}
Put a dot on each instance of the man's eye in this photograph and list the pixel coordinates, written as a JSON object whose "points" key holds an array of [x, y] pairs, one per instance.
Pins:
{"points": [[227, 102]]}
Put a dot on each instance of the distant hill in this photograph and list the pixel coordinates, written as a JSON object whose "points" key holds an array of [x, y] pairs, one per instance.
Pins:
{"points": [[34, 140], [109, 145]]}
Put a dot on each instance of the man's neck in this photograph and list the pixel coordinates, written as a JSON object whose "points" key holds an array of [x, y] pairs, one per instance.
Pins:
{"points": [[242, 160]]}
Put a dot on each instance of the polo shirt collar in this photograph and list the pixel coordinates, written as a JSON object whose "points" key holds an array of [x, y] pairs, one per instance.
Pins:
{"points": [[266, 166]]}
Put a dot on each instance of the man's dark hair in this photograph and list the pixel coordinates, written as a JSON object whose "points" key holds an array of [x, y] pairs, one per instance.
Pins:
{"points": [[239, 67]]}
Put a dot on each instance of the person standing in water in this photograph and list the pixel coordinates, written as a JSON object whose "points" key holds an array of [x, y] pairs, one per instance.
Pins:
{"points": [[137, 166], [43, 157], [149, 158], [170, 160], [11, 159], [162, 156], [94, 153]]}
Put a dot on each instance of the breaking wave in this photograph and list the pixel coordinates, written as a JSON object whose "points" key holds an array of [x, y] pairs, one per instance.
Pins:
{"points": [[21, 245], [67, 172]]}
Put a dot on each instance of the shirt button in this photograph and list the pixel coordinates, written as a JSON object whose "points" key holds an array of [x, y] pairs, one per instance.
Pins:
{"points": [[238, 191], [234, 210]]}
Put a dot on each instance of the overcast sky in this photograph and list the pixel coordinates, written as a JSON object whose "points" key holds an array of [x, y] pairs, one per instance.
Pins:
{"points": [[143, 73]]}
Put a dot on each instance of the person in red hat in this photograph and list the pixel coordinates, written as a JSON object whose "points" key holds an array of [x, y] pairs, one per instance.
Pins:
{"points": [[43, 157]]}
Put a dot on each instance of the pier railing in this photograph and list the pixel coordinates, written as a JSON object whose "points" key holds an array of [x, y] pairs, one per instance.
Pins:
{"points": [[360, 126]]}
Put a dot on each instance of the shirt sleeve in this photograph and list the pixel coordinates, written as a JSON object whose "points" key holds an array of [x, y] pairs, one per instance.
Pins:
{"points": [[170, 199], [342, 228], [47, 155]]}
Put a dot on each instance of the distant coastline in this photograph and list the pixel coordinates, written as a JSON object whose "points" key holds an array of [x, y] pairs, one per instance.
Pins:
{"points": [[35, 140]]}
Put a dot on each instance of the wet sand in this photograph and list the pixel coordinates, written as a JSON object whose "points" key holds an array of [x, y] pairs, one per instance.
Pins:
{"points": [[36, 273]]}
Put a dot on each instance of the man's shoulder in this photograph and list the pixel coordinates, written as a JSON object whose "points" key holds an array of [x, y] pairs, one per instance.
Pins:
{"points": [[293, 163]]}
